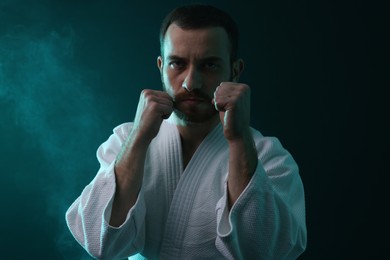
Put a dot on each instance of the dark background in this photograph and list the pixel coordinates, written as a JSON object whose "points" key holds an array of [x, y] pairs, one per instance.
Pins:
{"points": [[70, 71]]}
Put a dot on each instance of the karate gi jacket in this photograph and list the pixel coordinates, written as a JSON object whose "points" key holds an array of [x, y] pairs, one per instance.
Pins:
{"points": [[184, 214]]}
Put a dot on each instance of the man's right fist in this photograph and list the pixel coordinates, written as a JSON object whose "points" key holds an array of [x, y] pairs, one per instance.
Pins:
{"points": [[153, 107]]}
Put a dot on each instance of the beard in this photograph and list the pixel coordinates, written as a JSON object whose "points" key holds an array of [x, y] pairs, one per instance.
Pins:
{"points": [[195, 114]]}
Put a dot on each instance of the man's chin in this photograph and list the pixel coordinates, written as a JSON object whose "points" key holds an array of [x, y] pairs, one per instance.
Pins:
{"points": [[180, 118]]}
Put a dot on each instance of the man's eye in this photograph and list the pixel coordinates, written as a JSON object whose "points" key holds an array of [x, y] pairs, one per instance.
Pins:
{"points": [[211, 66], [176, 64]]}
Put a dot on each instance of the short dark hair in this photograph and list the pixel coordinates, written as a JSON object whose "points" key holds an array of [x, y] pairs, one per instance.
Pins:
{"points": [[197, 16]]}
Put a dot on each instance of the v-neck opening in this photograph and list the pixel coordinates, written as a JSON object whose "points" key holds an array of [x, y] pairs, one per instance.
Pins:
{"points": [[200, 147]]}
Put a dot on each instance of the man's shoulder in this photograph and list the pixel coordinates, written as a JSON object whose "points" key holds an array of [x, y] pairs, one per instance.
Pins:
{"points": [[256, 134], [123, 128], [266, 142]]}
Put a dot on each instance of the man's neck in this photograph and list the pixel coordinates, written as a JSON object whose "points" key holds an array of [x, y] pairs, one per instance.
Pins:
{"points": [[192, 136]]}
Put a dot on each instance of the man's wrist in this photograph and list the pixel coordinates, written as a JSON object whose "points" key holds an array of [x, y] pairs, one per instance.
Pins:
{"points": [[243, 148]]}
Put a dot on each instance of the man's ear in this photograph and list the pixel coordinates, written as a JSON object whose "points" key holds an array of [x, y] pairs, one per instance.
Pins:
{"points": [[160, 63], [237, 68]]}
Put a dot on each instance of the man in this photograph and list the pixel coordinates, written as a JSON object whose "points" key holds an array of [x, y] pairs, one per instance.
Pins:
{"points": [[189, 178]]}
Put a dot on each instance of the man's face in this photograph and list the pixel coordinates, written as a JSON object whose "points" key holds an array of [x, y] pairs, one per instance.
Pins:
{"points": [[195, 62]]}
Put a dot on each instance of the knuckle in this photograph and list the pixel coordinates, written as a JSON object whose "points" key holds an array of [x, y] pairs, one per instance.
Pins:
{"points": [[244, 87], [153, 106], [146, 93]]}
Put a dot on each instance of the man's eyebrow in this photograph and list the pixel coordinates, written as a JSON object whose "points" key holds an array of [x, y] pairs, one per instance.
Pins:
{"points": [[208, 59], [174, 57], [212, 58]]}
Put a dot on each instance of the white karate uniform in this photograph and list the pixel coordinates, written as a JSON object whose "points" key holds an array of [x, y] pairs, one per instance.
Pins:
{"points": [[184, 214]]}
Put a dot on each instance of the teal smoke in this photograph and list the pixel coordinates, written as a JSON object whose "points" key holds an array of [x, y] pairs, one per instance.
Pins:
{"points": [[49, 115], [66, 79]]}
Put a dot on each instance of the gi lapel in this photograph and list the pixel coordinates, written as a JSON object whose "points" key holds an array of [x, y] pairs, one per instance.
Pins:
{"points": [[187, 188]]}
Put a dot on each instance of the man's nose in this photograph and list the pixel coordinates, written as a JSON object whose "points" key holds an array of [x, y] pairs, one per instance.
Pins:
{"points": [[192, 80]]}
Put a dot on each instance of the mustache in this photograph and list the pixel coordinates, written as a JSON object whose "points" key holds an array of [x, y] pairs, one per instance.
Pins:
{"points": [[194, 94]]}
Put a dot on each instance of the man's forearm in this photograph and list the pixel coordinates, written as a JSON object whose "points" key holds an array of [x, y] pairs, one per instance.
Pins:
{"points": [[242, 165], [129, 169]]}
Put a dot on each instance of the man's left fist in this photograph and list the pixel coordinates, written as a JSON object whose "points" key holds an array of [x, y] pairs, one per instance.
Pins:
{"points": [[232, 100]]}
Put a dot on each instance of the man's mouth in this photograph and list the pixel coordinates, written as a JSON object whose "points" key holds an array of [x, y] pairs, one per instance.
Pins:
{"points": [[191, 101], [189, 98]]}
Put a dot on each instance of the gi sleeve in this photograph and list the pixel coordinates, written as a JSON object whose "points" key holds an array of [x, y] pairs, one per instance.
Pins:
{"points": [[268, 219], [88, 217]]}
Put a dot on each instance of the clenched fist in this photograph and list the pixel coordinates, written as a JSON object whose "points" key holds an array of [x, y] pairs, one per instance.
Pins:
{"points": [[232, 100], [153, 107]]}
